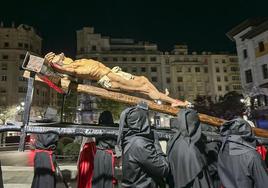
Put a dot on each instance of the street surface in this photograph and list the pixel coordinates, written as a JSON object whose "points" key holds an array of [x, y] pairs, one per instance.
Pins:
{"points": [[18, 172]]}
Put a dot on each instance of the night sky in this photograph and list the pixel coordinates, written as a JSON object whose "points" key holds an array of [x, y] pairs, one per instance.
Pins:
{"points": [[200, 24]]}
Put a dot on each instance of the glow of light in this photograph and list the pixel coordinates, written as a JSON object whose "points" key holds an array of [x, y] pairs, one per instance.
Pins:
{"points": [[22, 103], [18, 107]]}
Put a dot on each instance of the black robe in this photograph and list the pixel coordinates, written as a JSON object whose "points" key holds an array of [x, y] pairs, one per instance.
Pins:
{"points": [[144, 165], [103, 174], [212, 140], [44, 169], [239, 164], [186, 153]]}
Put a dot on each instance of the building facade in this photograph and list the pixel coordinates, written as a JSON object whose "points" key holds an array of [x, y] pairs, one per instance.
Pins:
{"points": [[186, 75], [251, 38], [14, 43]]}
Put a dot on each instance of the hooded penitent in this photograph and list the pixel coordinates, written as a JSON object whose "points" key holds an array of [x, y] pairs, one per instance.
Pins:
{"points": [[44, 169], [239, 165], [103, 174], [186, 153], [143, 162]]}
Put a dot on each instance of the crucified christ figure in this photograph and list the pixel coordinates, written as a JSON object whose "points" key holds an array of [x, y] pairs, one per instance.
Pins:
{"points": [[112, 79]]}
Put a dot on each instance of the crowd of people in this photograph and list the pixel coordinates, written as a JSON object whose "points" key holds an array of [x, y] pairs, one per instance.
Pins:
{"points": [[192, 159]]}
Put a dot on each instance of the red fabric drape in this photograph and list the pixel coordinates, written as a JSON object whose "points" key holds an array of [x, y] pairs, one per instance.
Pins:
{"points": [[262, 151], [86, 165]]}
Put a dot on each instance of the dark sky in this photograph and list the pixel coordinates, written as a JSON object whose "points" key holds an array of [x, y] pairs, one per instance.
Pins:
{"points": [[200, 24]]}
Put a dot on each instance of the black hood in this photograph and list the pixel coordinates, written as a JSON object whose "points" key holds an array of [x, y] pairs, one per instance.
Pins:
{"points": [[186, 149], [46, 141], [238, 133], [188, 124], [106, 118], [136, 121]]}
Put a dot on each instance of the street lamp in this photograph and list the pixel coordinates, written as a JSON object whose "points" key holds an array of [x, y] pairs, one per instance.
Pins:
{"points": [[20, 109]]}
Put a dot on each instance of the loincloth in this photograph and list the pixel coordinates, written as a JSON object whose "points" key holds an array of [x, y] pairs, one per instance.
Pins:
{"points": [[106, 82]]}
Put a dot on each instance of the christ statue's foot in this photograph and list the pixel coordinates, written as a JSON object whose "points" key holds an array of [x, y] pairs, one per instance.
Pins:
{"points": [[179, 103], [166, 92]]}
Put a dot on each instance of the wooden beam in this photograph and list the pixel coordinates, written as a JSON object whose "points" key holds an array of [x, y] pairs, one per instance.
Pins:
{"points": [[167, 109]]}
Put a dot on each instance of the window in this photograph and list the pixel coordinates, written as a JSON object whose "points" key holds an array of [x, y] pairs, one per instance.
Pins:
{"points": [[264, 71], [154, 79], [217, 69], [3, 90], [179, 69], [94, 48], [261, 46], [225, 78], [115, 59], [26, 45], [143, 59], [245, 53], [224, 69], [20, 45], [22, 89], [205, 70], [153, 59], [4, 78], [189, 69], [235, 78], [226, 88], [190, 88], [134, 69], [6, 44], [248, 76], [234, 69], [167, 61], [180, 88], [153, 69], [124, 59], [4, 66], [143, 69], [5, 56], [223, 61], [168, 80], [218, 78], [237, 87], [216, 61], [219, 88], [167, 70], [197, 69], [179, 79], [133, 59]]}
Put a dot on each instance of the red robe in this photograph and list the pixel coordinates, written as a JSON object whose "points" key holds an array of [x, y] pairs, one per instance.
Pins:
{"points": [[86, 165]]}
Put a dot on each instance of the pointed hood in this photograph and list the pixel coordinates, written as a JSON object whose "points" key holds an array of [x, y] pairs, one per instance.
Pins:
{"points": [[188, 124], [185, 149], [136, 121], [238, 133]]}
